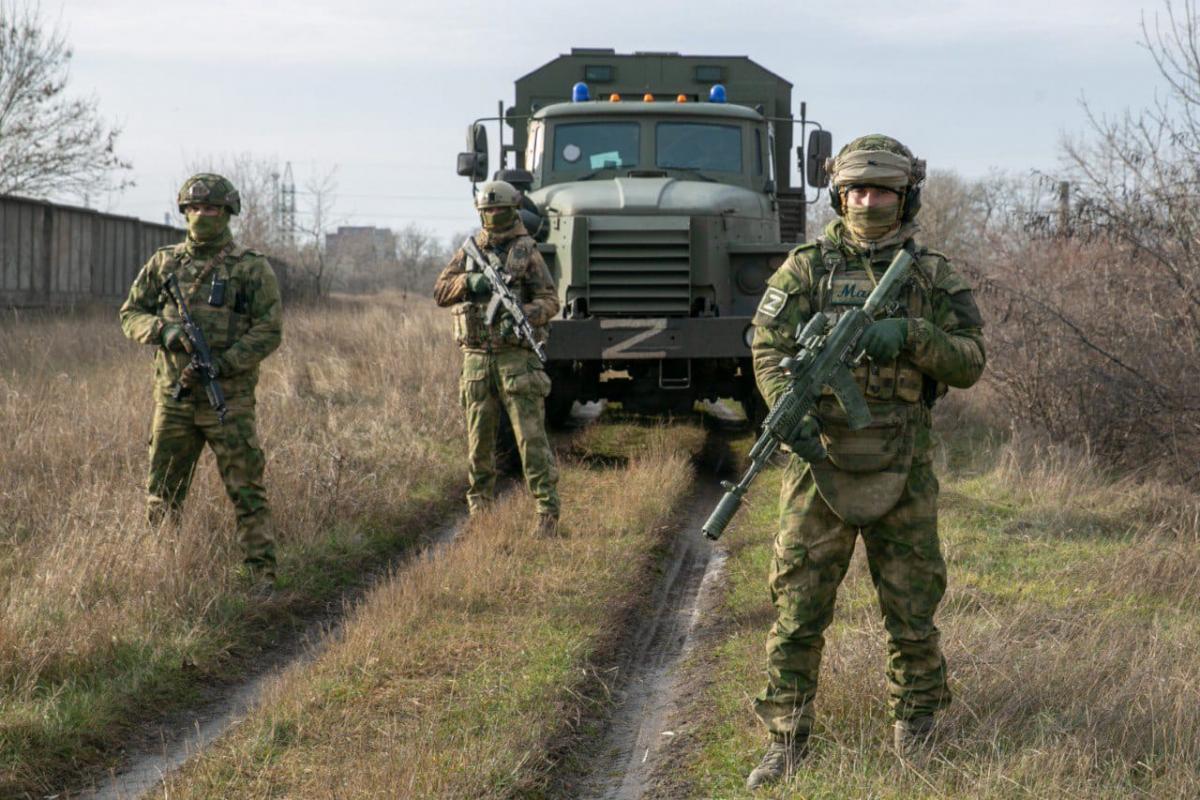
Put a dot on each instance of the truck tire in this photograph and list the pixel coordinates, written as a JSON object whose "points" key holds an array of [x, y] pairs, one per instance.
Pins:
{"points": [[558, 409]]}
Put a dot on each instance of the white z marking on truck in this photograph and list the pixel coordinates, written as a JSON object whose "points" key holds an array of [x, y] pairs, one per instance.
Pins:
{"points": [[648, 328]]}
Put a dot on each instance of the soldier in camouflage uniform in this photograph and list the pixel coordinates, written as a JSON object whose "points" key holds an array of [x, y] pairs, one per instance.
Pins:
{"points": [[877, 482], [234, 298], [499, 368]]}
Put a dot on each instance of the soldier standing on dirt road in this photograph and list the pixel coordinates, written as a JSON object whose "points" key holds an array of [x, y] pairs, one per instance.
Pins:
{"points": [[879, 481], [499, 367], [234, 298]]}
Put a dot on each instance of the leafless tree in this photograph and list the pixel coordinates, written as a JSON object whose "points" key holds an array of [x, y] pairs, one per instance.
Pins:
{"points": [[50, 144], [317, 270]]}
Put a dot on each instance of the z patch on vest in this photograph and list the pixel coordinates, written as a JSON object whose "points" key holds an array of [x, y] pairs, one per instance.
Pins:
{"points": [[847, 291], [773, 301]]}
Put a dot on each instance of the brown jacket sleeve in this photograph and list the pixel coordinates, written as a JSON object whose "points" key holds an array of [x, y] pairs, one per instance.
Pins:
{"points": [[451, 285]]}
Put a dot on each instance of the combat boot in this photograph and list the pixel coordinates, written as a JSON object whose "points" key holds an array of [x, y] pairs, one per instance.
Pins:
{"points": [[914, 737], [779, 762], [547, 527]]}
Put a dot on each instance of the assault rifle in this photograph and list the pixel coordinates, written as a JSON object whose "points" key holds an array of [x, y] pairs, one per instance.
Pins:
{"points": [[828, 351], [502, 296], [201, 354]]}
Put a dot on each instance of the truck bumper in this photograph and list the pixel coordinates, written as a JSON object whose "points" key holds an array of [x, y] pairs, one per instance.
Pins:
{"points": [[620, 339]]}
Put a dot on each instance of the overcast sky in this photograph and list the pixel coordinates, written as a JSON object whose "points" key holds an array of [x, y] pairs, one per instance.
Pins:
{"points": [[383, 90]]}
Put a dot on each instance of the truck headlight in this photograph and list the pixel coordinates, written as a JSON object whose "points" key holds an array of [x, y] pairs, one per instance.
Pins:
{"points": [[748, 335], [752, 277]]}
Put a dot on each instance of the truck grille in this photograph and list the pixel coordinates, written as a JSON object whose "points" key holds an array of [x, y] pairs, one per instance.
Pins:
{"points": [[639, 273]]}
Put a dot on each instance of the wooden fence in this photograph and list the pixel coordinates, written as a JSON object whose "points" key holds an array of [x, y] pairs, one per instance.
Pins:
{"points": [[60, 255]]}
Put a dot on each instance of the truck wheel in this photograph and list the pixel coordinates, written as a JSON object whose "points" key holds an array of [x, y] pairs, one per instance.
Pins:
{"points": [[755, 408], [558, 409]]}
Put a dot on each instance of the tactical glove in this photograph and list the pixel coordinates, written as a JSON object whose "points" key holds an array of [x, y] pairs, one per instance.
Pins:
{"points": [[189, 377], [806, 442], [173, 338], [507, 327], [884, 340], [478, 286]]}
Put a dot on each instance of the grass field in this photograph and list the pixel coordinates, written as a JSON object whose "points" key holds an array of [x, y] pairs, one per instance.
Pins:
{"points": [[467, 673], [103, 620], [1070, 628]]}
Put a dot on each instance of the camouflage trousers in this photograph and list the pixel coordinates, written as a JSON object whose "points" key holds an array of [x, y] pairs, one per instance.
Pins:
{"points": [[812, 553], [179, 434], [509, 381]]}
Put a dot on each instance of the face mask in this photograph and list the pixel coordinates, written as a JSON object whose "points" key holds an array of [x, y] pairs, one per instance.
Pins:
{"points": [[872, 222], [203, 229], [498, 219]]}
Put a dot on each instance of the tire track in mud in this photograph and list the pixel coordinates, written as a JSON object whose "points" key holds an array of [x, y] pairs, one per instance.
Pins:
{"points": [[166, 745], [620, 765]]}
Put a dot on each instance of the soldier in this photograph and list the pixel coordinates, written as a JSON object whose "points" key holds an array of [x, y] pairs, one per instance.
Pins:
{"points": [[499, 367], [234, 298], [877, 482]]}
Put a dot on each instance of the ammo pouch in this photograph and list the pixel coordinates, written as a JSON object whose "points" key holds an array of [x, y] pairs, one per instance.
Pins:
{"points": [[866, 471], [469, 330]]}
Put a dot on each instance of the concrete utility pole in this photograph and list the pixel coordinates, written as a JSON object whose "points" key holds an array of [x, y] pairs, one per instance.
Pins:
{"points": [[287, 206], [1064, 208]]}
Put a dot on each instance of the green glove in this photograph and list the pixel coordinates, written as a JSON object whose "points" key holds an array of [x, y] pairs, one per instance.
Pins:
{"points": [[173, 338], [806, 442], [507, 327], [884, 340], [478, 286]]}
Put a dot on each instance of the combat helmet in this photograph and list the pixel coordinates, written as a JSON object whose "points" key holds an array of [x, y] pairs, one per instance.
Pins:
{"points": [[210, 189], [497, 194], [877, 160]]}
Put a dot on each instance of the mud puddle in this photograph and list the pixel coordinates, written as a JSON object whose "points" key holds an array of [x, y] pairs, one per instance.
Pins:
{"points": [[168, 744], [620, 766]]}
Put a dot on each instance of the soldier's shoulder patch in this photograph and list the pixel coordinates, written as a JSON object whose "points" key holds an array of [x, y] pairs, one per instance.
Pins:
{"points": [[772, 302]]}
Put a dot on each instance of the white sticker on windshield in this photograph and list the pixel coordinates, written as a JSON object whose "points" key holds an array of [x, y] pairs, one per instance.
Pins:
{"points": [[571, 153]]}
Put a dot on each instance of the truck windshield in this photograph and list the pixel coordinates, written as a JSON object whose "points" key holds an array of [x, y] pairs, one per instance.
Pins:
{"points": [[699, 146], [586, 146]]}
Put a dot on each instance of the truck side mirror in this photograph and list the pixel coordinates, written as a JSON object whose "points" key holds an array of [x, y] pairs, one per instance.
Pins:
{"points": [[474, 164], [820, 147]]}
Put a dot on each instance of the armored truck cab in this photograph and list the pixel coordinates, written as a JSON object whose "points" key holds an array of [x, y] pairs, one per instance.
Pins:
{"points": [[662, 204]]}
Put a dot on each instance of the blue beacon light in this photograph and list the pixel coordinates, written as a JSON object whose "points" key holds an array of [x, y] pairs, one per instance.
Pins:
{"points": [[579, 93], [716, 94]]}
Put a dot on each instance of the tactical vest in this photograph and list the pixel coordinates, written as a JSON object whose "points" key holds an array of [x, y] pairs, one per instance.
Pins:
{"points": [[471, 330], [837, 286], [866, 470], [216, 298]]}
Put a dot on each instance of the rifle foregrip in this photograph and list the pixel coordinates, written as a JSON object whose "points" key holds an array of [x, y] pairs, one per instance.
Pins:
{"points": [[722, 515]]}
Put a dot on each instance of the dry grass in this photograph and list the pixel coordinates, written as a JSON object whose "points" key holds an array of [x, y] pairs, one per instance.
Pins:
{"points": [[459, 676], [101, 617], [1070, 627]]}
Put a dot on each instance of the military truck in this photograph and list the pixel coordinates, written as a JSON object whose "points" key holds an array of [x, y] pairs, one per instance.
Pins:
{"points": [[659, 187]]}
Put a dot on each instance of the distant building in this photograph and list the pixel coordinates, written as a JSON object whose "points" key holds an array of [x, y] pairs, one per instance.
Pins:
{"points": [[361, 245]]}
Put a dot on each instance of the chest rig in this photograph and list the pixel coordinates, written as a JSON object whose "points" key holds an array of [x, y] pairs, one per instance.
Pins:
{"points": [[841, 283], [471, 330], [866, 469], [215, 295]]}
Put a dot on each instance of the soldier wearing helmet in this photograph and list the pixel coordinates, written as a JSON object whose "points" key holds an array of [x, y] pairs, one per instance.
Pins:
{"points": [[877, 482], [500, 370], [234, 298]]}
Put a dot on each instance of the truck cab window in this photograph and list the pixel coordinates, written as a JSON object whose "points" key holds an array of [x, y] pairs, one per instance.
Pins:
{"points": [[587, 146], [698, 146]]}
